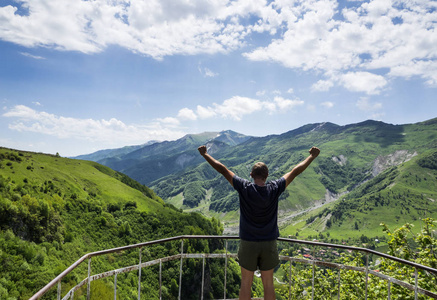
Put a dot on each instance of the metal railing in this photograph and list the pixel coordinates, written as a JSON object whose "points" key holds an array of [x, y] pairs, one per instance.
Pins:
{"points": [[181, 256]]}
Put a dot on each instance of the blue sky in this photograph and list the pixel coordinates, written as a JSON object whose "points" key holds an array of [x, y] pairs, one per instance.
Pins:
{"points": [[81, 76]]}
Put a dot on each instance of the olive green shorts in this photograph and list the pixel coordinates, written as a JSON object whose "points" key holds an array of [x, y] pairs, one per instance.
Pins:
{"points": [[261, 255]]}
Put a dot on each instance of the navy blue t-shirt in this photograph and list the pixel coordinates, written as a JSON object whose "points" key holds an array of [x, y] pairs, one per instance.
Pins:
{"points": [[259, 208]]}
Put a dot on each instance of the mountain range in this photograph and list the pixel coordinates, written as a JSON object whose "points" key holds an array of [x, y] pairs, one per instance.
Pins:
{"points": [[353, 159], [149, 162]]}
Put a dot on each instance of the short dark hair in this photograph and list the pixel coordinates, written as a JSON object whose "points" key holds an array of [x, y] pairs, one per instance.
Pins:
{"points": [[260, 170]]}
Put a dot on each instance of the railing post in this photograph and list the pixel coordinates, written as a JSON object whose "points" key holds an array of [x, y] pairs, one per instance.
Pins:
{"points": [[59, 289], [203, 277], [226, 269], [314, 271], [115, 286], [139, 276], [88, 288], [389, 290], [312, 292], [180, 270], [415, 285], [160, 279], [289, 281], [367, 271], [296, 271]]}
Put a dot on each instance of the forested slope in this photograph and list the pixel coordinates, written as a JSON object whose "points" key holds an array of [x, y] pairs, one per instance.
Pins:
{"points": [[53, 210]]}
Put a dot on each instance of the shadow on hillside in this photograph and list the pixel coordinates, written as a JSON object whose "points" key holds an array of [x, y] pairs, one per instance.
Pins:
{"points": [[386, 135]]}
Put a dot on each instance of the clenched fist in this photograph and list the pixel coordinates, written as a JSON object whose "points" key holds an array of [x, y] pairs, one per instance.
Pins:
{"points": [[314, 151]]}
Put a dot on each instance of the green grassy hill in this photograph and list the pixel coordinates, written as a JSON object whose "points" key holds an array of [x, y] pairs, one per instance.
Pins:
{"points": [[53, 210], [75, 178]]}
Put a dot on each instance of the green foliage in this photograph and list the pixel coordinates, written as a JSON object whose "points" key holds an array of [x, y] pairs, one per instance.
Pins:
{"points": [[429, 161], [193, 194], [11, 156], [98, 230], [30, 218], [336, 177], [403, 243], [223, 204], [418, 247]]}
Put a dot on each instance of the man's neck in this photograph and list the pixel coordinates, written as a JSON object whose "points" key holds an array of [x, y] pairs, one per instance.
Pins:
{"points": [[259, 182]]}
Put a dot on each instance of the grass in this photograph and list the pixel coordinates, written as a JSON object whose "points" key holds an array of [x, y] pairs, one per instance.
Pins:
{"points": [[74, 177]]}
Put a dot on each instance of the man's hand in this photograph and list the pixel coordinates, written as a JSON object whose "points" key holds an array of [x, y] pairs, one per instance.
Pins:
{"points": [[218, 166], [314, 151], [202, 150]]}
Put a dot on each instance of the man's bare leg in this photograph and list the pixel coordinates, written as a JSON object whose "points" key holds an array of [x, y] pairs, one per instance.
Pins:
{"points": [[269, 287], [246, 284]]}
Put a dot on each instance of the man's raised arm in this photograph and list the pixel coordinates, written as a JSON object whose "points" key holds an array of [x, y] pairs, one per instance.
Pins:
{"points": [[218, 166], [289, 177]]}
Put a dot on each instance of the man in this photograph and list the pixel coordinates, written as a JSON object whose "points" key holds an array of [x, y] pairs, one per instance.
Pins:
{"points": [[258, 219]]}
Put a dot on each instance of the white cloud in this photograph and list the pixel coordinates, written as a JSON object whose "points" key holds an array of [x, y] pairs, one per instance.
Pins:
{"points": [[205, 112], [109, 132], [316, 35], [206, 72], [31, 55], [170, 121], [116, 133], [396, 36], [365, 105], [425, 69], [286, 104], [209, 73], [322, 85], [236, 107], [363, 82], [156, 28], [290, 91], [187, 114]]}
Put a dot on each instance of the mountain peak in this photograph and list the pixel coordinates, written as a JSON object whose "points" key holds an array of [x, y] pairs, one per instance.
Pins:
{"points": [[231, 138]]}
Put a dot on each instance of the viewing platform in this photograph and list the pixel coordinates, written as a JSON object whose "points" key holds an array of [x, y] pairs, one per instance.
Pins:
{"points": [[321, 271]]}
